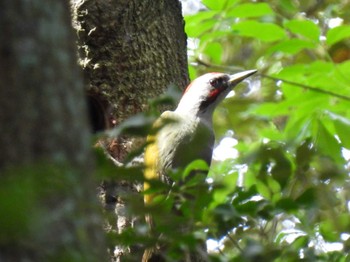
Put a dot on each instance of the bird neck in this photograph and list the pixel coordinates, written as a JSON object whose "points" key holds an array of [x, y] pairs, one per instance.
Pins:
{"points": [[195, 114]]}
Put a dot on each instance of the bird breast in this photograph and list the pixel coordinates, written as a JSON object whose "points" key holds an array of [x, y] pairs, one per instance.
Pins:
{"points": [[183, 140]]}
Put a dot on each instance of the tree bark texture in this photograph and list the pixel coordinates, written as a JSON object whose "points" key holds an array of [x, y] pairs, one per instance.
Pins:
{"points": [[44, 126], [131, 51]]}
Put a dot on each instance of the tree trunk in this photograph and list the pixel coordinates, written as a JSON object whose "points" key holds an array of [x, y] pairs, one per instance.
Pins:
{"points": [[131, 51], [47, 194]]}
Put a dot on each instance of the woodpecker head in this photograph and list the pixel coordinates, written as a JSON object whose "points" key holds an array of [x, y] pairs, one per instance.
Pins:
{"points": [[203, 95]]}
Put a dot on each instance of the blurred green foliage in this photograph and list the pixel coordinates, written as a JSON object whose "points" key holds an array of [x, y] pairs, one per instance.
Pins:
{"points": [[288, 197], [41, 214], [285, 196]]}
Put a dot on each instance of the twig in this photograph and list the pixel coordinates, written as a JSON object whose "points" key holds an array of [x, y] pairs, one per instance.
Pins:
{"points": [[311, 88], [315, 89], [221, 67], [235, 243]]}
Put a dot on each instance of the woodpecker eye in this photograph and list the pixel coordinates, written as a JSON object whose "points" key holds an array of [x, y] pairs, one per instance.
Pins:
{"points": [[219, 82]]}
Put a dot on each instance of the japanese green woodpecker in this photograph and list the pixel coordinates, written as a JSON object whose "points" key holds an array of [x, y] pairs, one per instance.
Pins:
{"points": [[186, 134]]}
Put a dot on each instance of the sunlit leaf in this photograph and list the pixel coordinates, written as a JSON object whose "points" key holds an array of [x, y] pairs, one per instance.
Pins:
{"points": [[198, 23], [298, 128], [267, 32], [300, 242], [215, 35], [291, 46], [214, 51], [337, 34], [192, 72], [320, 67], [328, 230], [269, 109], [327, 142], [251, 10], [263, 189], [342, 127], [199, 17], [201, 28], [228, 182], [250, 179], [306, 28], [195, 166]]}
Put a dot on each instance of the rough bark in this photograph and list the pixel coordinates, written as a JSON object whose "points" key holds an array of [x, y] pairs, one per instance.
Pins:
{"points": [[131, 51], [45, 150]]}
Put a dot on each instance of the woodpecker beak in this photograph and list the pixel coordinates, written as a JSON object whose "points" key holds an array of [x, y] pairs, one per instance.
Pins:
{"points": [[239, 77]]}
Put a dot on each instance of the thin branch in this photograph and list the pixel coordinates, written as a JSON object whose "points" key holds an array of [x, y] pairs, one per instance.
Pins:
{"points": [[235, 243], [220, 67], [315, 89], [311, 88]]}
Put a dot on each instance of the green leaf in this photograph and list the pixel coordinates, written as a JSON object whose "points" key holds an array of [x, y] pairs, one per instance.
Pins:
{"points": [[287, 205], [298, 128], [328, 231], [225, 178], [282, 171], [289, 6], [300, 242], [267, 109], [339, 74], [251, 10], [219, 4], [200, 28], [214, 51], [292, 71], [342, 127], [263, 190], [291, 46], [304, 153], [327, 143], [196, 166], [215, 35], [343, 132], [337, 34], [306, 28], [192, 72], [226, 217], [197, 24], [251, 207], [266, 32], [320, 67], [308, 198], [193, 20]]}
